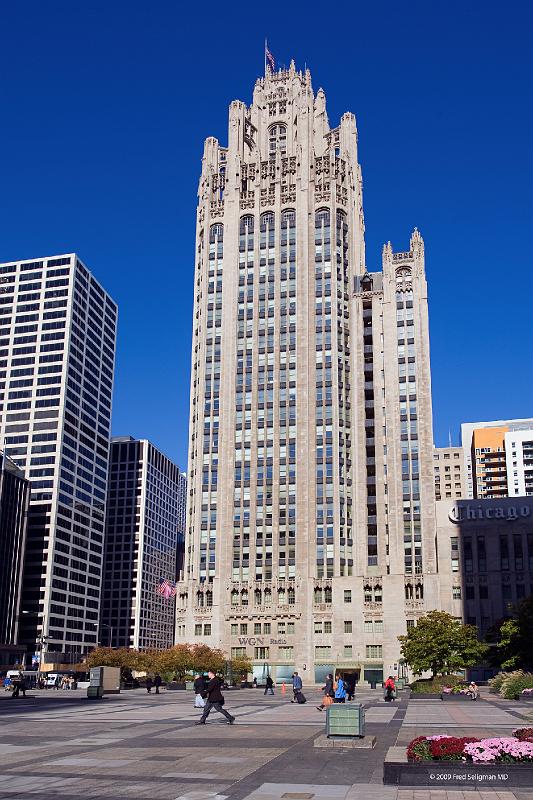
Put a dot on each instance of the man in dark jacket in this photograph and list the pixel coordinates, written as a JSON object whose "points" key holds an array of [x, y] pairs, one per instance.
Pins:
{"points": [[157, 682], [214, 700], [19, 685], [269, 685]]}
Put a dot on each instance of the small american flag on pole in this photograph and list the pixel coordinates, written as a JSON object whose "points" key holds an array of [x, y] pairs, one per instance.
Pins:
{"points": [[269, 58], [166, 588]]}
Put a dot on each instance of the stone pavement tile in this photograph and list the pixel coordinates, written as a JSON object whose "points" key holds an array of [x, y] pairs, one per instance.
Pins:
{"points": [[74, 761], [201, 775], [368, 791], [201, 795]]}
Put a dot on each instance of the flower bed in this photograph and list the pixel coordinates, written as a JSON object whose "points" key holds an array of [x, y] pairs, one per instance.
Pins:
{"points": [[460, 761]]}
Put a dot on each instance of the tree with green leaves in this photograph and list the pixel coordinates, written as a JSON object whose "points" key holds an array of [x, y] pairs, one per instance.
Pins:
{"points": [[513, 646], [442, 644]]}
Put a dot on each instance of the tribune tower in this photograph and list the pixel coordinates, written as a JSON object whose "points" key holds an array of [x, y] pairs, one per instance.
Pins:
{"points": [[311, 521]]}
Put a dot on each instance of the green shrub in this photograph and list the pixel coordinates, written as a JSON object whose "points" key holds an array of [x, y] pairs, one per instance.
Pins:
{"points": [[514, 682], [496, 682], [434, 685]]}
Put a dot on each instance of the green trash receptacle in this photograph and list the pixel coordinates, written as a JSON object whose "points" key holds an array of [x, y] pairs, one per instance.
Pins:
{"points": [[95, 692], [345, 721]]}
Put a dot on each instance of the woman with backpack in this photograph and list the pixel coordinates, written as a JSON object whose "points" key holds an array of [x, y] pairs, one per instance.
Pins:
{"points": [[340, 690]]}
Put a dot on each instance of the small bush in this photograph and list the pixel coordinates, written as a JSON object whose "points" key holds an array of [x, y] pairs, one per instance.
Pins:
{"points": [[418, 750], [514, 682], [434, 685], [496, 682], [523, 734], [449, 748]]}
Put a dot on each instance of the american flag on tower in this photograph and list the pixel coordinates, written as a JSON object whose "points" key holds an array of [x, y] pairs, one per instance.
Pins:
{"points": [[166, 588], [269, 58]]}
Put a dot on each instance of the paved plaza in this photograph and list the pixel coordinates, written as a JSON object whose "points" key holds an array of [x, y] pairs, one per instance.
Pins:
{"points": [[61, 746]]}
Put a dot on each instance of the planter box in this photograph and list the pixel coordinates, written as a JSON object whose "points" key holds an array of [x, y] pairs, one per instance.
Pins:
{"points": [[526, 698], [441, 774], [456, 698]]}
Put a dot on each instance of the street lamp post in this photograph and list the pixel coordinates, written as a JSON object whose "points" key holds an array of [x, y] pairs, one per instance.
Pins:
{"points": [[110, 629], [41, 638]]}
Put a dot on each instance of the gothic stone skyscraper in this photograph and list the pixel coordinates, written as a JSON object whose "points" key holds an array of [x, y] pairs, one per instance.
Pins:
{"points": [[311, 523]]}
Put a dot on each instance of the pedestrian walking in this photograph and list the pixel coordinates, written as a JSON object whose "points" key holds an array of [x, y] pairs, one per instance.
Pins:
{"points": [[149, 684], [350, 688], [214, 700], [200, 686], [269, 685], [340, 690], [296, 686], [329, 693], [57, 683], [19, 685], [390, 689], [157, 682]]}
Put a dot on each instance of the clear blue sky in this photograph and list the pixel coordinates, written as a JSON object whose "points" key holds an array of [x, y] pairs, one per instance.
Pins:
{"points": [[105, 106]]}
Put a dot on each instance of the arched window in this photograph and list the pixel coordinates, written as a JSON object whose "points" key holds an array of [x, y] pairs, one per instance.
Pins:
{"points": [[322, 217], [268, 597], [244, 597], [367, 591], [277, 139], [408, 591], [288, 218], [378, 593], [200, 599], [419, 591], [216, 233], [209, 598], [247, 224], [266, 222], [257, 597], [281, 597], [234, 597], [291, 596], [403, 277], [328, 595], [318, 594]]}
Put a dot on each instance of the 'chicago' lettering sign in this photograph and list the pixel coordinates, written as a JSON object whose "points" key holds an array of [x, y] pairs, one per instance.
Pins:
{"points": [[470, 512]]}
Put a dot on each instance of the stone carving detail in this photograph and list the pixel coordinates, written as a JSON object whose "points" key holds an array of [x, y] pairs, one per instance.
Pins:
{"points": [[217, 208]]}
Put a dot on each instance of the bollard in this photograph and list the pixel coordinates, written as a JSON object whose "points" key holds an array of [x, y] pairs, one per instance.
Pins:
{"points": [[283, 689]]}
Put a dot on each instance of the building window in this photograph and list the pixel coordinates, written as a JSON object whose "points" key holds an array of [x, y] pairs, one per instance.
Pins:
{"points": [[347, 626], [327, 626], [234, 629], [456, 592], [262, 653], [318, 627], [348, 651], [286, 653], [347, 595], [410, 624], [266, 627], [374, 651], [207, 630], [238, 652], [368, 626], [277, 139], [244, 628], [197, 630], [322, 651], [257, 628], [290, 627]]}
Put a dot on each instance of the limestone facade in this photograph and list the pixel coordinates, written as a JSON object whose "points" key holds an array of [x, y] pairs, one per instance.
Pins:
{"points": [[311, 532]]}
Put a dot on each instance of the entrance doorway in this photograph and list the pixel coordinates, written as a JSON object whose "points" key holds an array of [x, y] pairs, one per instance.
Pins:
{"points": [[350, 677]]}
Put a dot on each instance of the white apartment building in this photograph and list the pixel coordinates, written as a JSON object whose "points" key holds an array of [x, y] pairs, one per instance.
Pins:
{"points": [[519, 461], [57, 353], [468, 430], [311, 508]]}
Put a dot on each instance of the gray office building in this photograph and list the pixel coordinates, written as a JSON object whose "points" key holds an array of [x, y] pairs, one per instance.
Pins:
{"points": [[14, 495], [57, 354], [144, 545]]}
